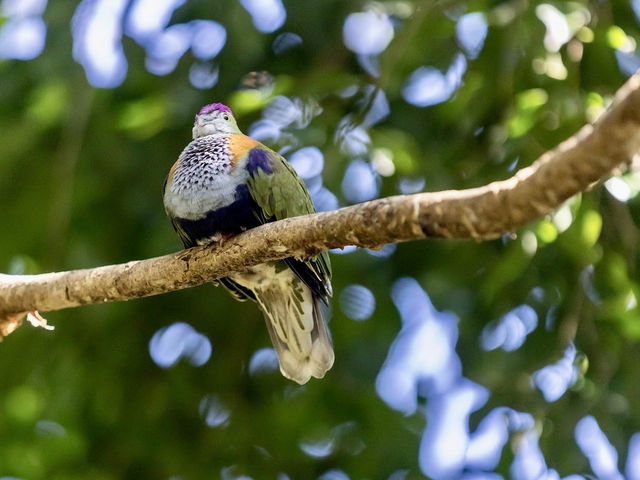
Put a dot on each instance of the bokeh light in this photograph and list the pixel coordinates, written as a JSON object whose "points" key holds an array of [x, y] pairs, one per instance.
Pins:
{"points": [[308, 162], [286, 41], [267, 15], [207, 38], [97, 46], [422, 374], [603, 458], [167, 47], [422, 356], [147, 18], [428, 86], [360, 182], [352, 139], [334, 474], [263, 360], [554, 380], [471, 31], [558, 32], [357, 302], [632, 467], [528, 462], [318, 447], [23, 34], [214, 412], [179, 340], [50, 428], [203, 75], [411, 185], [511, 330], [367, 33], [444, 444]]}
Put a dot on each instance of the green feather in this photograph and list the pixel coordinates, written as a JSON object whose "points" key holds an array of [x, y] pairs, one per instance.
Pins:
{"points": [[281, 194]]}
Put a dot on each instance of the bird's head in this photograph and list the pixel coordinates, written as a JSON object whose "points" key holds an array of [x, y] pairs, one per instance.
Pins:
{"points": [[214, 118]]}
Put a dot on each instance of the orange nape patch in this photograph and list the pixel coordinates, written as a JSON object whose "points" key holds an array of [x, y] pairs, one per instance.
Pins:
{"points": [[171, 172], [239, 146]]}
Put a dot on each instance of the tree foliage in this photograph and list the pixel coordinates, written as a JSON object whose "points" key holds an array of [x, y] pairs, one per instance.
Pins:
{"points": [[544, 322]]}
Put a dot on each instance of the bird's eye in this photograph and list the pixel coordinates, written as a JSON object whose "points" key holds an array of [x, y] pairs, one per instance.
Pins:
{"points": [[225, 116]]}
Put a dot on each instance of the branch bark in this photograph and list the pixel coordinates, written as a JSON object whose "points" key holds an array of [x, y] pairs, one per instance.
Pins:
{"points": [[480, 213]]}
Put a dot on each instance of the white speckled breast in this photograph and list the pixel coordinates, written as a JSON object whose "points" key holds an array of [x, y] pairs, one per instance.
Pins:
{"points": [[205, 178]]}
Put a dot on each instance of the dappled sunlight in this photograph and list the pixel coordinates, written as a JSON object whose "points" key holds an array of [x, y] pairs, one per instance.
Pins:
{"points": [[632, 466], [511, 330], [214, 412], [360, 182], [147, 18], [422, 358], [344, 250], [231, 473], [443, 449], [262, 361], [334, 474], [428, 86], [586, 281], [352, 139], [207, 39], [203, 75], [97, 45], [318, 447], [422, 363], [411, 185], [554, 380], [471, 31], [166, 48], [179, 340], [629, 63], [22, 35], [487, 441], [365, 100], [267, 15], [357, 302], [528, 462], [308, 163], [384, 252], [558, 32], [281, 117], [324, 200], [49, 427], [286, 41], [147, 23], [22, 38], [603, 458], [375, 105], [367, 33]]}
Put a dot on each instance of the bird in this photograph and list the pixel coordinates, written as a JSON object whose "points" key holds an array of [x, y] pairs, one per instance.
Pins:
{"points": [[225, 182]]}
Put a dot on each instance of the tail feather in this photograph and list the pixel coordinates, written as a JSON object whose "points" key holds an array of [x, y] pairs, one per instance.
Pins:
{"points": [[302, 354], [294, 320]]}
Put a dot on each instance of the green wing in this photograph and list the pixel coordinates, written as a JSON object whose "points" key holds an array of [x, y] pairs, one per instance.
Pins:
{"points": [[278, 193]]}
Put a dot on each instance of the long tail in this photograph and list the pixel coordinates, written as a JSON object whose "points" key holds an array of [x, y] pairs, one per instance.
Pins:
{"points": [[297, 329]]}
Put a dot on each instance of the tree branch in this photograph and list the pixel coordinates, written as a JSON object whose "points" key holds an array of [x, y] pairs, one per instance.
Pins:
{"points": [[480, 213]]}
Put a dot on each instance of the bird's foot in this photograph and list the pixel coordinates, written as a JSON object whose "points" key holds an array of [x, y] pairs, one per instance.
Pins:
{"points": [[224, 237]]}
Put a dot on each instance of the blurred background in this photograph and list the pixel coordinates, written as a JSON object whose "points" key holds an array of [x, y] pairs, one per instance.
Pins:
{"points": [[515, 358]]}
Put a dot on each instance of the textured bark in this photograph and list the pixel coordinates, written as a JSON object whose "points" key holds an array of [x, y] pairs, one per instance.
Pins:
{"points": [[481, 213]]}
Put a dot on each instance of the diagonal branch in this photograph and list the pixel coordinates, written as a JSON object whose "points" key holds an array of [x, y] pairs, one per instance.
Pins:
{"points": [[480, 213]]}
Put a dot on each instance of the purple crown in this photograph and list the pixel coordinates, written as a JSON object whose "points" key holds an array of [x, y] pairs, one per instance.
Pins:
{"points": [[212, 107]]}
